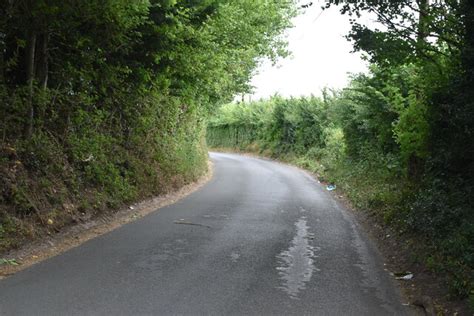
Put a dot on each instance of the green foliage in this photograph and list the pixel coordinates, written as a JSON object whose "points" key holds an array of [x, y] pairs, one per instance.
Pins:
{"points": [[11, 262], [412, 128], [279, 125]]}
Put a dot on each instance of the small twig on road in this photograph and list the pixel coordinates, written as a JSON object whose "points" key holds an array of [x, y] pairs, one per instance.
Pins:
{"points": [[189, 223]]}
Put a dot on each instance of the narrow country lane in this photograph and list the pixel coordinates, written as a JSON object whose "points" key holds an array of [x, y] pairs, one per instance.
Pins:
{"points": [[261, 238]]}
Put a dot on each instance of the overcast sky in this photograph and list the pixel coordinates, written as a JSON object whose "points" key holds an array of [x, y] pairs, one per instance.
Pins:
{"points": [[321, 57]]}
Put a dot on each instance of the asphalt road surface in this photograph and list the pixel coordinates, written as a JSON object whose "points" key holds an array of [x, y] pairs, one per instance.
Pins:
{"points": [[261, 238]]}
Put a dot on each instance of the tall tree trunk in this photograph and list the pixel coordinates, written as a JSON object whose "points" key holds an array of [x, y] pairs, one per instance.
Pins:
{"points": [[467, 8], [2, 63], [415, 163], [422, 23], [42, 61], [3, 25], [457, 120], [467, 61], [467, 100], [30, 73]]}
